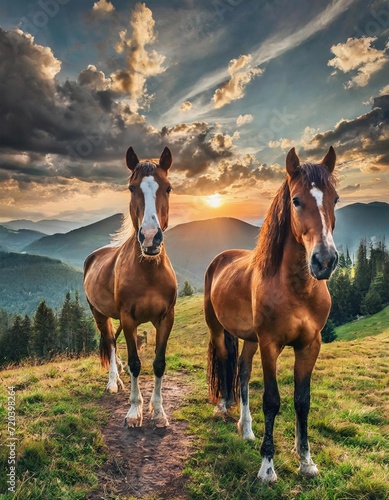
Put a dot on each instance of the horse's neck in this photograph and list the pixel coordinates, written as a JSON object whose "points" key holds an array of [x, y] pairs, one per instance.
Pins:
{"points": [[294, 267]]}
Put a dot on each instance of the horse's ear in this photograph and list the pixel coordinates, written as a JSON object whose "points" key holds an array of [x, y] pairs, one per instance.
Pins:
{"points": [[292, 162], [131, 159], [330, 159], [166, 159]]}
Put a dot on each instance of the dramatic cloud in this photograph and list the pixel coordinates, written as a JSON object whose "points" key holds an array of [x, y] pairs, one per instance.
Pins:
{"points": [[103, 7], [241, 73], [94, 78], [230, 176], [186, 107], [365, 136], [141, 62], [351, 188], [243, 119], [357, 54], [283, 143]]}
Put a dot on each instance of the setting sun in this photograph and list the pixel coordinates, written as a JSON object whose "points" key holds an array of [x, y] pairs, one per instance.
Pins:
{"points": [[214, 200]]}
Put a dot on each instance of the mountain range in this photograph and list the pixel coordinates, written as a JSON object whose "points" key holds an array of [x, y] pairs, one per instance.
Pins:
{"points": [[190, 246], [46, 226]]}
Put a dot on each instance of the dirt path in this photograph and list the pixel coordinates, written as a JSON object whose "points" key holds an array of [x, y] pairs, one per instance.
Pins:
{"points": [[145, 461]]}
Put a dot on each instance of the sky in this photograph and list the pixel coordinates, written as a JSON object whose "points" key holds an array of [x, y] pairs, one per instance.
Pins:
{"points": [[228, 85]]}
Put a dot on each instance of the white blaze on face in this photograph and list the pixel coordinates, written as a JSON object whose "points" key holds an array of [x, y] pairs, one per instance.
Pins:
{"points": [[150, 223], [318, 195]]}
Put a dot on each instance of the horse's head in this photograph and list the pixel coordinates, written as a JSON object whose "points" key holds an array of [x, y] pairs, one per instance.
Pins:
{"points": [[149, 205], [313, 198]]}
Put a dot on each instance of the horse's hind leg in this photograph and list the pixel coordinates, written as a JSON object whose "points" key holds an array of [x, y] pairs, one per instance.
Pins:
{"points": [[108, 350], [245, 366], [304, 362], [158, 414]]}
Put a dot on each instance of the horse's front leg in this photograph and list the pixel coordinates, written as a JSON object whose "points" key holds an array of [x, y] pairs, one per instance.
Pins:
{"points": [[271, 406], [163, 328], [134, 415], [245, 366], [305, 360]]}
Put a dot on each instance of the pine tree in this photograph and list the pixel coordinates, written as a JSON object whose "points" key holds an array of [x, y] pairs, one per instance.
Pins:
{"points": [[342, 261], [77, 330], [66, 335], [328, 333], [363, 273], [16, 346], [187, 290], [45, 332], [349, 262], [343, 307], [372, 302]]}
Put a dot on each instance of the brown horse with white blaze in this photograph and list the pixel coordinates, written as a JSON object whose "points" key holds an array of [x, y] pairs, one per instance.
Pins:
{"points": [[275, 296], [134, 282]]}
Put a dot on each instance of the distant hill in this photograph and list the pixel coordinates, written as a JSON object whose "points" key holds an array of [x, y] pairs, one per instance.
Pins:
{"points": [[361, 220], [25, 280], [12, 240], [74, 246], [193, 245], [46, 226]]}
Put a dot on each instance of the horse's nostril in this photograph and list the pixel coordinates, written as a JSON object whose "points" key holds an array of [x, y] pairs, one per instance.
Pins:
{"points": [[316, 261], [157, 240], [141, 236]]}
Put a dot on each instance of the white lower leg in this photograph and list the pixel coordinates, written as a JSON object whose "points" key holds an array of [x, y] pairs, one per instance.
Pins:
{"points": [[244, 424], [307, 465], [134, 414], [114, 378], [267, 472], [157, 412]]}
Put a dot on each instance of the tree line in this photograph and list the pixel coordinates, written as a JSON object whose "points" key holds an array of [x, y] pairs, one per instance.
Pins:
{"points": [[47, 334], [358, 288]]}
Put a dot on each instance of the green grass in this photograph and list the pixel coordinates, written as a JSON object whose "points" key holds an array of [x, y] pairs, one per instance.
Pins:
{"points": [[365, 327], [60, 446]]}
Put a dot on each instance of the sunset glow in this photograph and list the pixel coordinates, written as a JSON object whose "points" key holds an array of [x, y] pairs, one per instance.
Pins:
{"points": [[214, 200]]}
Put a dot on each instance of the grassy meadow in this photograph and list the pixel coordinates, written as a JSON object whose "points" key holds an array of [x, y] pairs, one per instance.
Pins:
{"points": [[59, 419]]}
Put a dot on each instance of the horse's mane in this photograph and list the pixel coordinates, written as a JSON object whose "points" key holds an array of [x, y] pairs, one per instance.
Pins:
{"points": [[271, 240], [118, 238]]}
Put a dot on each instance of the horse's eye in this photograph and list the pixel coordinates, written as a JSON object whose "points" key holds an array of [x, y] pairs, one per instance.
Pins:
{"points": [[131, 188], [296, 201], [336, 200], [168, 189]]}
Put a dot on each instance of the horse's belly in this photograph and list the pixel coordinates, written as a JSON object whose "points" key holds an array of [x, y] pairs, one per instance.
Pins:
{"points": [[150, 309]]}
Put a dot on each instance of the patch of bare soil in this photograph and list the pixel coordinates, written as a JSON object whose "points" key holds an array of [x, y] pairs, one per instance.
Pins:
{"points": [[145, 461]]}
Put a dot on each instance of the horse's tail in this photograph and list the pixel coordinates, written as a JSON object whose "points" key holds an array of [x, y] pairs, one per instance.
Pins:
{"points": [[214, 371], [105, 351]]}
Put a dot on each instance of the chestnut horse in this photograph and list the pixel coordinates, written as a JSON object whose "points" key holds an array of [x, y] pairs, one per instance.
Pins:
{"points": [[275, 296], [135, 283]]}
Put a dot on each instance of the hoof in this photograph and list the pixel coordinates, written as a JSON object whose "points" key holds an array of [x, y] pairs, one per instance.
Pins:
{"points": [[247, 434], [112, 388], [308, 470], [121, 385], [266, 473], [159, 418], [133, 418]]}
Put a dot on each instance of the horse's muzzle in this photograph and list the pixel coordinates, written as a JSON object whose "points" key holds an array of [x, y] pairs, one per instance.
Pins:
{"points": [[322, 265], [150, 241]]}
